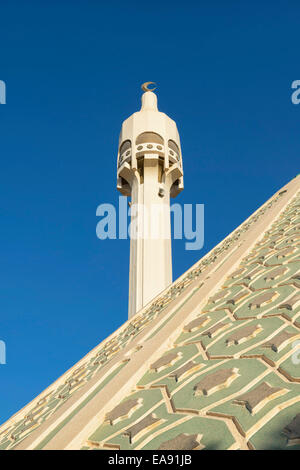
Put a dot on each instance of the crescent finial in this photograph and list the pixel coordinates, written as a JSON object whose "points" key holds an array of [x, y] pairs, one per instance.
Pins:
{"points": [[146, 84]]}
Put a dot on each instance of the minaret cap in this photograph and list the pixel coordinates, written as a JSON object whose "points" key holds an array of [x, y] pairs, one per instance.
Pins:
{"points": [[149, 101]]}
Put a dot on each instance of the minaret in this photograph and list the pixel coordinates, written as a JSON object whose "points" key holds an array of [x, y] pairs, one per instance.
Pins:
{"points": [[150, 171]]}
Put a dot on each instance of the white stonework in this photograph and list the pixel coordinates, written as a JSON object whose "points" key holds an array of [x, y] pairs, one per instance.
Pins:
{"points": [[150, 171]]}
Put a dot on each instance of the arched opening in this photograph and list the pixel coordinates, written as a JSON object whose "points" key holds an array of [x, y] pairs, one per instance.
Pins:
{"points": [[126, 145], [173, 146], [147, 137]]}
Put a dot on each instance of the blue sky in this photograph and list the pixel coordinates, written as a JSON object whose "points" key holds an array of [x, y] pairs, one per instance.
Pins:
{"points": [[73, 71]]}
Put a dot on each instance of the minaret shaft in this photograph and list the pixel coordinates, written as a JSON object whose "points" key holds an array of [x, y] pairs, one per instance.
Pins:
{"points": [[150, 246]]}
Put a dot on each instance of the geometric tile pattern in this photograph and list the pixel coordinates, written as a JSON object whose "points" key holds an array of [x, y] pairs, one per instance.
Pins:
{"points": [[229, 380]]}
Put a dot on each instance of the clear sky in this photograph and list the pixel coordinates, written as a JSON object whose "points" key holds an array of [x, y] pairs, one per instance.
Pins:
{"points": [[73, 71]]}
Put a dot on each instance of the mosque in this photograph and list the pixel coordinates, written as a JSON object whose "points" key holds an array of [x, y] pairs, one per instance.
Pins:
{"points": [[208, 361]]}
